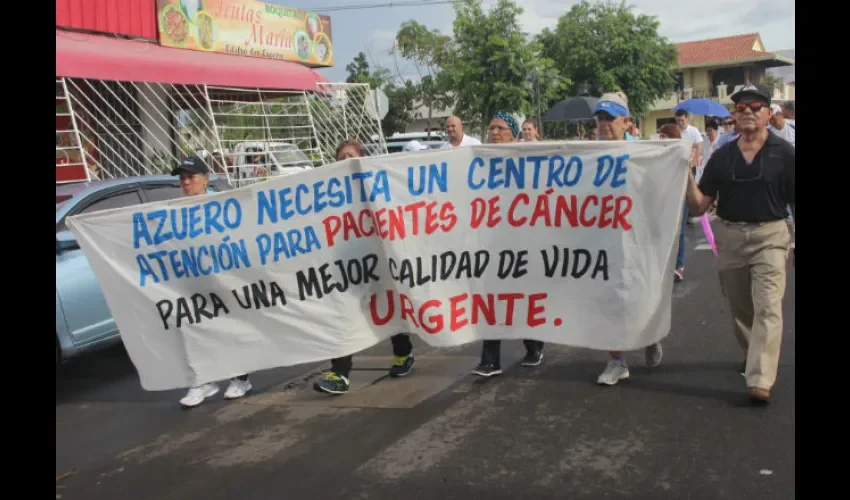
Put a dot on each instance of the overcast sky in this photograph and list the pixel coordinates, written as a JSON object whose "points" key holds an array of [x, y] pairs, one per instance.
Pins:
{"points": [[372, 30]]}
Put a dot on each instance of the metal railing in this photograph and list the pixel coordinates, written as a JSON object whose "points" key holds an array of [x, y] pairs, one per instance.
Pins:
{"points": [[122, 129]]}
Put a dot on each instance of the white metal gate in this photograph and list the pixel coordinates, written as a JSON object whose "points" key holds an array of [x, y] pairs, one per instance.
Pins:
{"points": [[69, 148], [122, 129], [341, 112]]}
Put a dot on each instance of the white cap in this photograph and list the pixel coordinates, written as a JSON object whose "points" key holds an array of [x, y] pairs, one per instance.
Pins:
{"points": [[414, 146], [776, 109]]}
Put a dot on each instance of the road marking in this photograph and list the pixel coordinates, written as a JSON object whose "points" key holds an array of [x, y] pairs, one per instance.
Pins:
{"points": [[63, 476]]}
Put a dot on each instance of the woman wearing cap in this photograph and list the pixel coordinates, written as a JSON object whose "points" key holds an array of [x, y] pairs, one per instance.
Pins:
{"points": [[504, 129], [336, 381], [194, 179]]}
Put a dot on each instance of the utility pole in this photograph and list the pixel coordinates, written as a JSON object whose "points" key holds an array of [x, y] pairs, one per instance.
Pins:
{"points": [[539, 113]]}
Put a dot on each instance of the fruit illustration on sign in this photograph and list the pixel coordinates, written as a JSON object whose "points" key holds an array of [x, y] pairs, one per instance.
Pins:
{"points": [[313, 24], [322, 48], [174, 24], [207, 30], [302, 45], [191, 8]]}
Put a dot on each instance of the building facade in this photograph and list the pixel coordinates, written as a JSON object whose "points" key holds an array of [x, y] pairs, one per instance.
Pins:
{"points": [[715, 69]]}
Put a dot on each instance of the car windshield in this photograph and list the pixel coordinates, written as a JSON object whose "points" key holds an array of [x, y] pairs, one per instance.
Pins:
{"points": [[286, 156]]}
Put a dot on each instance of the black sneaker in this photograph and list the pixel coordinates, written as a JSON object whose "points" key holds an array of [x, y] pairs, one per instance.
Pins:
{"points": [[532, 358], [332, 384], [402, 365], [487, 370]]}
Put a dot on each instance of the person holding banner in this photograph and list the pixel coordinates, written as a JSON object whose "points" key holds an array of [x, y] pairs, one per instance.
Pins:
{"points": [[612, 115], [753, 179], [337, 381], [194, 179], [504, 129]]}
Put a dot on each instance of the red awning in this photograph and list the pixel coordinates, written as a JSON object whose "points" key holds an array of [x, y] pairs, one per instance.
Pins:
{"points": [[80, 55]]}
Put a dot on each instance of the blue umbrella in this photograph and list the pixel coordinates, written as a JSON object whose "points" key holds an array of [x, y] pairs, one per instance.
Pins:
{"points": [[705, 107]]}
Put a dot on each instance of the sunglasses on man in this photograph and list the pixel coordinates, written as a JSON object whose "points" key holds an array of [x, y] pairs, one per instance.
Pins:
{"points": [[755, 106]]}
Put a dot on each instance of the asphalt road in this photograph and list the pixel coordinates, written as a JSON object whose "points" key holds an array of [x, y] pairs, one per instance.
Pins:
{"points": [[683, 430]]}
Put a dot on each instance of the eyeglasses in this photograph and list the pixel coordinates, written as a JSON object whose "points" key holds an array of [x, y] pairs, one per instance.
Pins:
{"points": [[749, 177], [605, 117], [755, 106]]}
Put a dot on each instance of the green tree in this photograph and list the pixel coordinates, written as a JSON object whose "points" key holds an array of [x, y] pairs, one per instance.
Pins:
{"points": [[773, 82], [492, 65], [402, 100], [360, 71], [428, 50], [607, 45]]}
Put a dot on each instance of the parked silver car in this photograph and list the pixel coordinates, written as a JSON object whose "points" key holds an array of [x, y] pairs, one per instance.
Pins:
{"points": [[83, 319]]}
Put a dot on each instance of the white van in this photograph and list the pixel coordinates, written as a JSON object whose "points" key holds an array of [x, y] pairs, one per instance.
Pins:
{"points": [[396, 142], [254, 159]]}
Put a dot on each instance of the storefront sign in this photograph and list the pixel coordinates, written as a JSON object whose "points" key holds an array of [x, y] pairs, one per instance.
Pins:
{"points": [[246, 28]]}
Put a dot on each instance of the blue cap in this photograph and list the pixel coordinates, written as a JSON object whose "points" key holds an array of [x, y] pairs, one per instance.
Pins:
{"points": [[611, 108], [613, 103]]}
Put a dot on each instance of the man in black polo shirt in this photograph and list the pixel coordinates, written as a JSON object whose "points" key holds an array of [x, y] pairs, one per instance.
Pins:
{"points": [[752, 179]]}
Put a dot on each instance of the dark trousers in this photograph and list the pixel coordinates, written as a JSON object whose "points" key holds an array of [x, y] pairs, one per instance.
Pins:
{"points": [[402, 346], [491, 352], [680, 257]]}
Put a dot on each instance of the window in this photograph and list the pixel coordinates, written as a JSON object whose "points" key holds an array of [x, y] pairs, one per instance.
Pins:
{"points": [[112, 200], [116, 200], [287, 156], [163, 192], [680, 82], [664, 121]]}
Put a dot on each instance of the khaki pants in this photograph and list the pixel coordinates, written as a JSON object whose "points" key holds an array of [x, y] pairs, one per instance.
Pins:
{"points": [[752, 261]]}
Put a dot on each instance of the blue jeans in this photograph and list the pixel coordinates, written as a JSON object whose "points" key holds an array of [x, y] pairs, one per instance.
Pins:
{"points": [[680, 259]]}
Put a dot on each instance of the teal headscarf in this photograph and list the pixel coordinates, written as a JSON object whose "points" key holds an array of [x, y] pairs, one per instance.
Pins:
{"points": [[510, 120]]}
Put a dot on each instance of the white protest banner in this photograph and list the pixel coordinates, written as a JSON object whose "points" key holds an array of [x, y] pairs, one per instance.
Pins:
{"points": [[569, 242]]}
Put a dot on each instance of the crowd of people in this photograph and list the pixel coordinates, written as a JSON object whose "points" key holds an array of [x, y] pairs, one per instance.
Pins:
{"points": [[743, 165]]}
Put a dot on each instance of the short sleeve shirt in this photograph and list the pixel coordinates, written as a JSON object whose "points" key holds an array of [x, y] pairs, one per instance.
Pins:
{"points": [[755, 192]]}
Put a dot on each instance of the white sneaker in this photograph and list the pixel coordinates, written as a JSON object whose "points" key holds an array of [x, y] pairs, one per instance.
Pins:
{"points": [[615, 371], [237, 388], [653, 355], [197, 395]]}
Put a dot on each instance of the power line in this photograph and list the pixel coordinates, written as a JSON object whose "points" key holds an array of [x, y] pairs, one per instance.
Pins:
{"points": [[410, 3]]}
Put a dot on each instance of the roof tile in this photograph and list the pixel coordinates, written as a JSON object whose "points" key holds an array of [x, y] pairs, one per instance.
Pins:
{"points": [[720, 50]]}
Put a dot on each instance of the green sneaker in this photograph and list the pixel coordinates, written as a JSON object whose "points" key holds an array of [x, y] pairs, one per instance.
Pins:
{"points": [[402, 365], [332, 384]]}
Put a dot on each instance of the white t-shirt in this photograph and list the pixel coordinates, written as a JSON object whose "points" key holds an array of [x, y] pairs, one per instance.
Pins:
{"points": [[466, 141], [708, 148], [788, 132], [692, 133]]}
